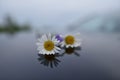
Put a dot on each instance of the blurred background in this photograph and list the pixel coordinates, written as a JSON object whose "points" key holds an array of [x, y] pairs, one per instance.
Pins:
{"points": [[98, 21], [60, 15]]}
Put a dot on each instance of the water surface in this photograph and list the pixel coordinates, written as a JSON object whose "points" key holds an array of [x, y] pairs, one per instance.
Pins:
{"points": [[98, 59]]}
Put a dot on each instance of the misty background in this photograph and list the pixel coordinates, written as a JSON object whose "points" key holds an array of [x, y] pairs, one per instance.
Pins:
{"points": [[98, 22], [63, 14]]}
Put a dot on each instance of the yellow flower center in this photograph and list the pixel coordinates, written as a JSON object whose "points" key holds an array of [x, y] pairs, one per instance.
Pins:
{"points": [[69, 39], [48, 45]]}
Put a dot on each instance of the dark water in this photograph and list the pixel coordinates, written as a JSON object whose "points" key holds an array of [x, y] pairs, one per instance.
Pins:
{"points": [[98, 59]]}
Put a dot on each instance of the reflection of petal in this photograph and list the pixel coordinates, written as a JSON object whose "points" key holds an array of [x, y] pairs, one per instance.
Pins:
{"points": [[49, 60], [47, 63], [55, 62], [77, 54], [71, 50], [52, 61], [78, 48]]}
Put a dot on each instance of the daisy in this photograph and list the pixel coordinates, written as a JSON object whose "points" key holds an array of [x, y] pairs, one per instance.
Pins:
{"points": [[47, 44], [71, 40]]}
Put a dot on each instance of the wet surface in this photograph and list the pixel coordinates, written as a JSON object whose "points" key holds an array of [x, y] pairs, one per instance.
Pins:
{"points": [[97, 59]]}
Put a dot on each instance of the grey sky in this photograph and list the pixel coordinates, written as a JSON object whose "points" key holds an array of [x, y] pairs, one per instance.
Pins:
{"points": [[56, 12]]}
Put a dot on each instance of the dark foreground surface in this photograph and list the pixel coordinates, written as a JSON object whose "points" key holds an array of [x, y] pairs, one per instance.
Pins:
{"points": [[98, 59]]}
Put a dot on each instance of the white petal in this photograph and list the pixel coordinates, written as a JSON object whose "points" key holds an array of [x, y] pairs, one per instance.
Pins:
{"points": [[62, 45], [44, 37], [57, 48], [49, 36], [39, 49], [39, 44], [40, 52], [72, 46], [53, 38], [67, 46], [39, 39], [56, 42], [52, 52], [56, 51], [47, 52], [42, 40]]}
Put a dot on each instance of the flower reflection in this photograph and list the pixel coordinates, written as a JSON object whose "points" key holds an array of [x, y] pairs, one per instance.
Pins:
{"points": [[49, 60], [70, 51], [52, 61]]}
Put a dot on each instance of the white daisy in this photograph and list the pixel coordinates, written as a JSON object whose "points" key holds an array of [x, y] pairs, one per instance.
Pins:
{"points": [[48, 45], [71, 40]]}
